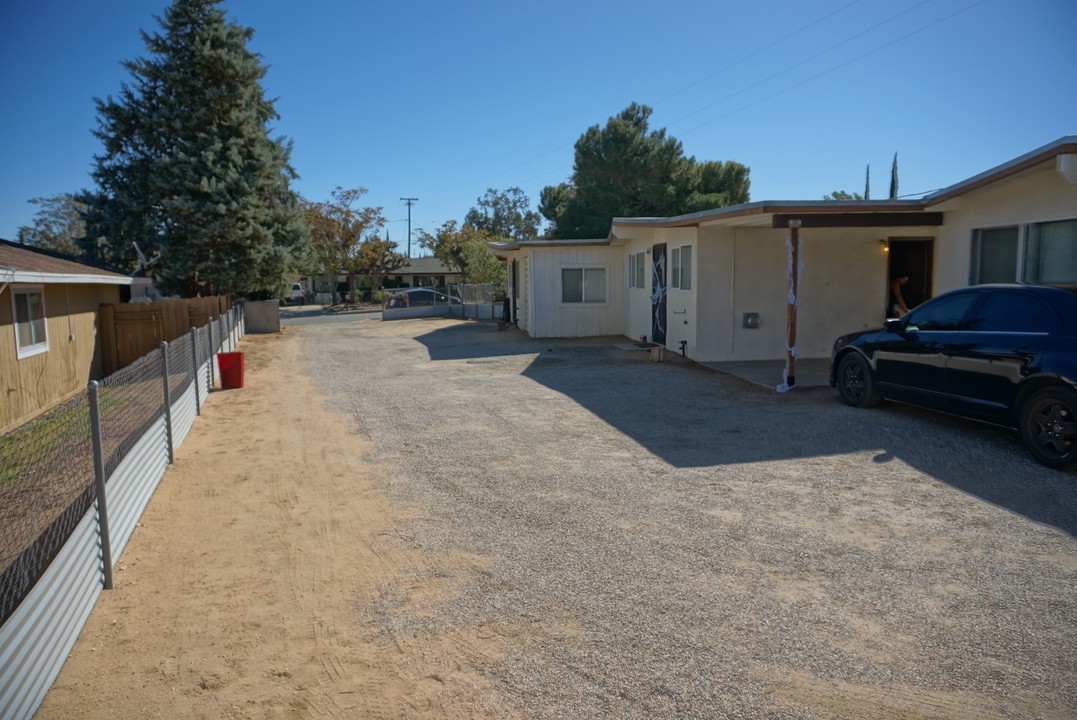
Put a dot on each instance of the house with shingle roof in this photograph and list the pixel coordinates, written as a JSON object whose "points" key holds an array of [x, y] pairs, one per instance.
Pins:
{"points": [[49, 348]]}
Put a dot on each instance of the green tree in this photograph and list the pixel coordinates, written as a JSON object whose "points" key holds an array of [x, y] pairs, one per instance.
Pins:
{"points": [[189, 170], [58, 225], [842, 195], [336, 232], [464, 249], [894, 179], [506, 214], [626, 170], [376, 258]]}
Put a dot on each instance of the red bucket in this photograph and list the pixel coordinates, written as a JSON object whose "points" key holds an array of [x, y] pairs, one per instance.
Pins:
{"points": [[231, 365]]}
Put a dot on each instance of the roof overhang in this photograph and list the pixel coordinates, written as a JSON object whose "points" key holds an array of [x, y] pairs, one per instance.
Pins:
{"points": [[39, 278], [1061, 149], [502, 249], [762, 213]]}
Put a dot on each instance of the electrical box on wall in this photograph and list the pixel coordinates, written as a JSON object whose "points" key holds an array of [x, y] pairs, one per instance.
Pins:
{"points": [[751, 321]]}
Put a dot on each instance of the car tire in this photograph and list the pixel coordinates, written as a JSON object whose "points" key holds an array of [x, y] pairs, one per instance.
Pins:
{"points": [[856, 383], [1048, 426]]}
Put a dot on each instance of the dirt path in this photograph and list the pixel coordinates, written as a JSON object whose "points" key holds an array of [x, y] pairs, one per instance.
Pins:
{"points": [[251, 588]]}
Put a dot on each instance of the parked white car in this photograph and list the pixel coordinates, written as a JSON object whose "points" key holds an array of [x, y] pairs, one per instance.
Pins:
{"points": [[295, 294]]}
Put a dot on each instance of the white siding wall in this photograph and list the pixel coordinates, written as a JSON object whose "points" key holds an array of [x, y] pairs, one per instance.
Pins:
{"points": [[637, 305], [526, 302], [682, 316], [1040, 196], [551, 317]]}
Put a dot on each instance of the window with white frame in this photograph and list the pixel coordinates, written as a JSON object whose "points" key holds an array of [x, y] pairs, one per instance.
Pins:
{"points": [[583, 285], [637, 270], [1043, 252], [680, 267], [29, 312]]}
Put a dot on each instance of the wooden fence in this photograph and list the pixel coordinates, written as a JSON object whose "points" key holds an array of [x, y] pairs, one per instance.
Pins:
{"points": [[131, 330]]}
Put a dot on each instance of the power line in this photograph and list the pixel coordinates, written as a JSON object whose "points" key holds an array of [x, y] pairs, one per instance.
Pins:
{"points": [[760, 51], [797, 64], [832, 69]]}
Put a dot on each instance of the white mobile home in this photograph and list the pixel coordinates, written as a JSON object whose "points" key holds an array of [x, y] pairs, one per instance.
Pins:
{"points": [[771, 280]]}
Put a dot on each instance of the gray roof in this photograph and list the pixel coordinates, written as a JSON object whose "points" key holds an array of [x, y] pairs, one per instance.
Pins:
{"points": [[425, 266]]}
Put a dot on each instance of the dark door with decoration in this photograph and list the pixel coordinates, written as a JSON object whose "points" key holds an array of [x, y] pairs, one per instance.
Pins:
{"points": [[658, 294]]}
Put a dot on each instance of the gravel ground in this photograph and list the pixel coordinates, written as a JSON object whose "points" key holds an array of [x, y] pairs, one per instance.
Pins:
{"points": [[660, 540]]}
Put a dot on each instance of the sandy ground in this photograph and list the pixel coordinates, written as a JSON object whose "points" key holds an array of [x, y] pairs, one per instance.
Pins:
{"points": [[579, 552], [243, 592]]}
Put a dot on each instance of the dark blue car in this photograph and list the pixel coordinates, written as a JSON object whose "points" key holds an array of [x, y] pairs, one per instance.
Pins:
{"points": [[1004, 354]]}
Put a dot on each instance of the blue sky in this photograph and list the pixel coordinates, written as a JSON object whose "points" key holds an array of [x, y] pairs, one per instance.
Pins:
{"points": [[441, 100]]}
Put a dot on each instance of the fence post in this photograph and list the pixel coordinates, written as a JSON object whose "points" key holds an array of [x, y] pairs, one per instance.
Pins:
{"points": [[168, 401], [194, 354], [99, 480]]}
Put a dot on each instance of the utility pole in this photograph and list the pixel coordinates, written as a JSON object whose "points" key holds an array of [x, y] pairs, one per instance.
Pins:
{"points": [[409, 202]]}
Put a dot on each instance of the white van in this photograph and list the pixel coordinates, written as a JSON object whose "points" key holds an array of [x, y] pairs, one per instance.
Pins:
{"points": [[295, 294]]}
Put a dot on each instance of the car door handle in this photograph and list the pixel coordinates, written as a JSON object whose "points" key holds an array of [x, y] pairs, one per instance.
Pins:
{"points": [[933, 347]]}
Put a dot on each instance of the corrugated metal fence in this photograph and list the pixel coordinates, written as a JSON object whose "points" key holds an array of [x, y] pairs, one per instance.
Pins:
{"points": [[73, 485]]}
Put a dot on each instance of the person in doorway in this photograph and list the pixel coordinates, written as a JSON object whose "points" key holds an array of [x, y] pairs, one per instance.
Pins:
{"points": [[896, 306]]}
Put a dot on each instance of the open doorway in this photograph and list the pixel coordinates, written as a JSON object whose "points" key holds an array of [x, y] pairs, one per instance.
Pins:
{"points": [[913, 257]]}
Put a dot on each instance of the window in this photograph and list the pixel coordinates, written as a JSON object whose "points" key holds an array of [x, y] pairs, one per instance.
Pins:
{"points": [[942, 314], [29, 311], [680, 265], [583, 285], [1013, 312], [637, 270], [1044, 252], [994, 255], [1051, 252]]}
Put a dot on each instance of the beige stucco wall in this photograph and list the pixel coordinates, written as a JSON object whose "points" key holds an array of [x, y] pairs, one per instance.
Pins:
{"points": [[1039, 195], [34, 384], [842, 288], [681, 315]]}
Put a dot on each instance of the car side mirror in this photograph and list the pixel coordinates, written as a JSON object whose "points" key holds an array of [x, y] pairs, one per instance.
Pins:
{"points": [[894, 325]]}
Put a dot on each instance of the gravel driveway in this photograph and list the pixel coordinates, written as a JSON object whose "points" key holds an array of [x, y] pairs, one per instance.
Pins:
{"points": [[659, 540]]}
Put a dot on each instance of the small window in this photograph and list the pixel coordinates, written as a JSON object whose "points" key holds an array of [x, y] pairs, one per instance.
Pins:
{"points": [[583, 285], [680, 263], [1012, 312], [637, 267], [29, 310], [994, 255]]}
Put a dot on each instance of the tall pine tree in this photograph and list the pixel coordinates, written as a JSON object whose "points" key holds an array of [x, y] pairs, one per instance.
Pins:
{"points": [[189, 170]]}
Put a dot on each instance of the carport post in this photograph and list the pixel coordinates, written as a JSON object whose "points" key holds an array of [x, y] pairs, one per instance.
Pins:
{"points": [[791, 308]]}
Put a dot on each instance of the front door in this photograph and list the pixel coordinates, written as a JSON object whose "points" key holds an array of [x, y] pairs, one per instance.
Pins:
{"points": [[658, 294], [912, 257]]}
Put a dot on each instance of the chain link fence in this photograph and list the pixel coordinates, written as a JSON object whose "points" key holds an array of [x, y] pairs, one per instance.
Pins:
{"points": [[46, 486], [479, 301], [47, 478]]}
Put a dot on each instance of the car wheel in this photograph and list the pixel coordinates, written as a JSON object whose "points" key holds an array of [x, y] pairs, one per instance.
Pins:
{"points": [[1048, 426], [855, 382]]}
